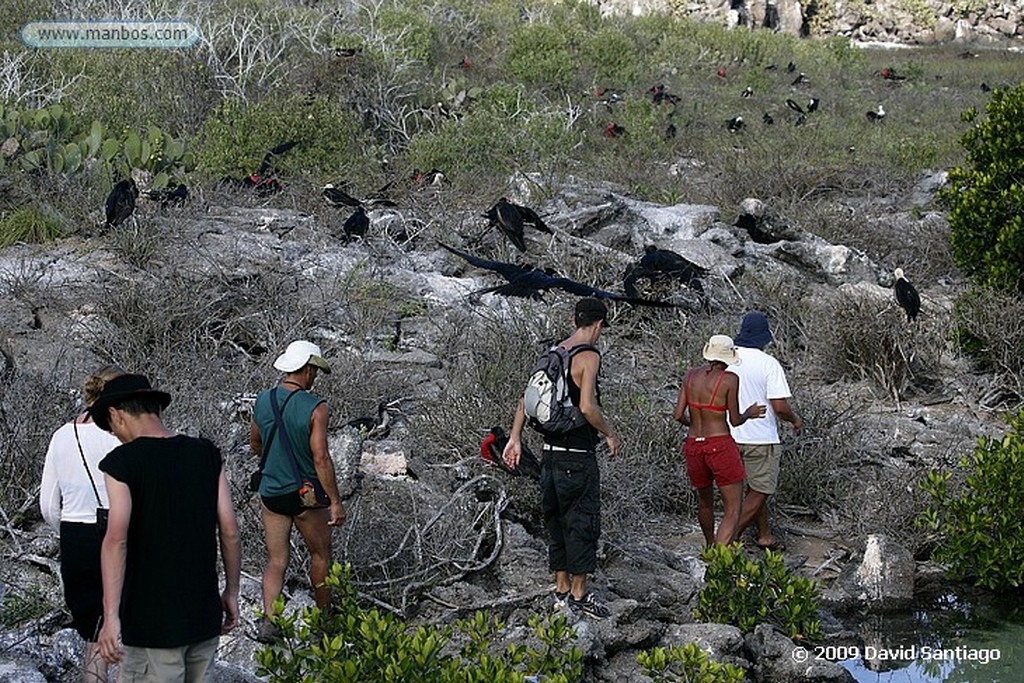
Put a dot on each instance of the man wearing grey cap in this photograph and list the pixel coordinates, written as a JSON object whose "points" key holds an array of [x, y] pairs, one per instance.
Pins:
{"points": [[298, 484], [570, 479], [762, 380]]}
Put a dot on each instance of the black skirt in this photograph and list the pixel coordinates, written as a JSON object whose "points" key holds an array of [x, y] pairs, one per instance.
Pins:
{"points": [[82, 576]]}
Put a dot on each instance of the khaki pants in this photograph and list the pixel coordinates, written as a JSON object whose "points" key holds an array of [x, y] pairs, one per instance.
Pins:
{"points": [[186, 664]]}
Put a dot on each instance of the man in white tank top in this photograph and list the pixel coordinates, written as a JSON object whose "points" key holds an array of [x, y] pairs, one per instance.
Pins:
{"points": [[762, 380]]}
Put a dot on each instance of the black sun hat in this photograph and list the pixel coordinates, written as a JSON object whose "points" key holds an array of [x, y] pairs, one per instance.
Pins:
{"points": [[120, 389]]}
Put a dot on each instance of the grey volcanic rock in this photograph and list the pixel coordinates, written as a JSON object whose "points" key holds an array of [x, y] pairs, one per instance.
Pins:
{"points": [[775, 661], [886, 21]]}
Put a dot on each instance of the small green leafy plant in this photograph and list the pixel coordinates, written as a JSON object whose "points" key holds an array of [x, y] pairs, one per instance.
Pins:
{"points": [[347, 644], [29, 224], [978, 528], [686, 664], [746, 592]]}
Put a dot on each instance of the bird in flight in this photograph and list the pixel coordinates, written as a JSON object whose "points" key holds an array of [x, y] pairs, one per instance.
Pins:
{"points": [[529, 282]]}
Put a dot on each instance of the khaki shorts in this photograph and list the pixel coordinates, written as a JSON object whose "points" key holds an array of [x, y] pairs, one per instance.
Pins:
{"points": [[187, 664], [761, 460]]}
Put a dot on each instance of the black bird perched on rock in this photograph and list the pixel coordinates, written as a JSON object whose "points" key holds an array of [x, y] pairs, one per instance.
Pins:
{"points": [[493, 446], [907, 296], [337, 197], [790, 68], [812, 104], [985, 87], [373, 427], [121, 202], [509, 220], [658, 264], [735, 124], [167, 197], [529, 282], [767, 118], [357, 224]]}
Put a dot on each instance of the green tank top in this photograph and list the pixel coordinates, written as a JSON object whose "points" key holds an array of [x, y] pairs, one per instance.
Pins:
{"points": [[278, 476]]}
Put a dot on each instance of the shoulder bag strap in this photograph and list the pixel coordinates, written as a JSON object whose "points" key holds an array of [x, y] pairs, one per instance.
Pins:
{"points": [[285, 441], [273, 429], [85, 463]]}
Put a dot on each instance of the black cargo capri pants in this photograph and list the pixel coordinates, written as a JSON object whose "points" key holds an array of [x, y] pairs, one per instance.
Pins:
{"points": [[570, 483]]}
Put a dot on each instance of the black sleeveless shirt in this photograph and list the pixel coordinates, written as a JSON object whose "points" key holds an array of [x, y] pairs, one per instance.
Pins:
{"points": [[583, 438]]}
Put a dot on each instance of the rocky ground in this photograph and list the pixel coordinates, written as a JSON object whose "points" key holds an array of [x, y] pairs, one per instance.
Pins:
{"points": [[651, 578]]}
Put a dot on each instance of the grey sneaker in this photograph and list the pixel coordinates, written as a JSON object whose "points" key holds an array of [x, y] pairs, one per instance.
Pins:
{"points": [[589, 604], [560, 601]]}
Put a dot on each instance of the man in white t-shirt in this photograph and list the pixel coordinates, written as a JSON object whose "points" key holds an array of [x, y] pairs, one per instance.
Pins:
{"points": [[762, 380]]}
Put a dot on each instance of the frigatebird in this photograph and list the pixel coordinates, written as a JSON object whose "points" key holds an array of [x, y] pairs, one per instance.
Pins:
{"points": [[266, 166], [167, 197], [492, 447], [658, 264], [767, 118], [801, 79], [337, 197], [356, 224], [614, 130], [121, 202], [907, 296], [529, 282], [875, 116], [660, 95], [508, 219], [735, 124]]}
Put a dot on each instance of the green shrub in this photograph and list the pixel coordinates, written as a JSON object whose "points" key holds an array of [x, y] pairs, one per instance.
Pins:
{"points": [[745, 593], [234, 139], [540, 55], [979, 528], [985, 195], [29, 224], [349, 644], [687, 664]]}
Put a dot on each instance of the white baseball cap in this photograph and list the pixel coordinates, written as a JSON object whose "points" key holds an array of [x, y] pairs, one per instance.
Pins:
{"points": [[298, 355]]}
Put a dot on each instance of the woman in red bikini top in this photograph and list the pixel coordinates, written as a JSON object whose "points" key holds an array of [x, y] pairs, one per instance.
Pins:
{"points": [[712, 456], [709, 392]]}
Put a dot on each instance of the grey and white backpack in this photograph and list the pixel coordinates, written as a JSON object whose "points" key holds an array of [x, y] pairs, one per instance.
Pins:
{"points": [[549, 409]]}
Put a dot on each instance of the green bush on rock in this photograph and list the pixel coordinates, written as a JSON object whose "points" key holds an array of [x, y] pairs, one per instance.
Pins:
{"points": [[348, 644], [979, 528], [986, 195], [746, 593], [687, 664]]}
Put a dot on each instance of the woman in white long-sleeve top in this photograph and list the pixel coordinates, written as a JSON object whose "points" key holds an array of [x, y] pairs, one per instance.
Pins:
{"points": [[70, 496]]}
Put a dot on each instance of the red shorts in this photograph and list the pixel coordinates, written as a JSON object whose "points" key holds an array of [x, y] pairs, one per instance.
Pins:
{"points": [[713, 457]]}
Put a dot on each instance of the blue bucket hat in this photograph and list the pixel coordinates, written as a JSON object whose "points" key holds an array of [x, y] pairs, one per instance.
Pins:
{"points": [[754, 332]]}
